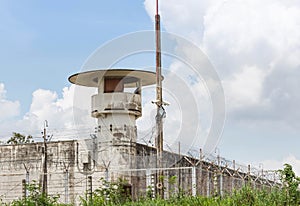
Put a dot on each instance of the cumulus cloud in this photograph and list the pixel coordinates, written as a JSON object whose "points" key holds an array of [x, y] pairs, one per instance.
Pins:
{"points": [[244, 87], [254, 46], [8, 108], [66, 119], [184, 108], [279, 164], [264, 36]]}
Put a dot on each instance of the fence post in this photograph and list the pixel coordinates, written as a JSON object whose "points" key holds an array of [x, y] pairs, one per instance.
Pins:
{"points": [[179, 165], [220, 176], [232, 177], [194, 183], [215, 182], [221, 183], [248, 175], [150, 183], [153, 186], [27, 182], [148, 179], [208, 184], [67, 187], [90, 189], [201, 192], [24, 188]]}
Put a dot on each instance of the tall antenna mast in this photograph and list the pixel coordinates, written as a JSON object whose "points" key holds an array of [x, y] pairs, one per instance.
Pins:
{"points": [[159, 103]]}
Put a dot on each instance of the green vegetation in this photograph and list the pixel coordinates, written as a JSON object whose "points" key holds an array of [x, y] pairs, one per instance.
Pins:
{"points": [[18, 138], [290, 185], [36, 197], [115, 193], [118, 194], [243, 197], [287, 195]]}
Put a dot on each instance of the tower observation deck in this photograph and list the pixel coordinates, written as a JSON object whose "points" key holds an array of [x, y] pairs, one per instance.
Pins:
{"points": [[117, 105]]}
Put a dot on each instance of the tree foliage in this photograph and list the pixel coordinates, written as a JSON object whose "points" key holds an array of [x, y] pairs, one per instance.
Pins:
{"points": [[290, 185], [18, 138]]}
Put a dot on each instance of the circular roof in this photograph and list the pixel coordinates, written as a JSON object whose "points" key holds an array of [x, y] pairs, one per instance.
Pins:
{"points": [[130, 77]]}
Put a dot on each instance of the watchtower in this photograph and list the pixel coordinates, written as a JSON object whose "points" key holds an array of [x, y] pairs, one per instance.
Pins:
{"points": [[117, 106]]}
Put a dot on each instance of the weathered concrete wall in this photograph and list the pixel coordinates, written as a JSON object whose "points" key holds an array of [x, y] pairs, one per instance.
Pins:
{"points": [[25, 161], [71, 162]]}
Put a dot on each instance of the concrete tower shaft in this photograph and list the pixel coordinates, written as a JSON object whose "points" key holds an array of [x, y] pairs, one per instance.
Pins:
{"points": [[116, 106]]}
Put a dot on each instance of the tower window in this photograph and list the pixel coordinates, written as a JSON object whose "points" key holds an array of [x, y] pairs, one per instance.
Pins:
{"points": [[113, 85]]}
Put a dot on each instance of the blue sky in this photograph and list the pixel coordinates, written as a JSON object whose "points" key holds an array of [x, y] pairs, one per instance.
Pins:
{"points": [[42, 43], [254, 46]]}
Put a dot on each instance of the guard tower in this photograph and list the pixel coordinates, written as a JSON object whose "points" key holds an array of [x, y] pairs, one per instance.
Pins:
{"points": [[116, 106]]}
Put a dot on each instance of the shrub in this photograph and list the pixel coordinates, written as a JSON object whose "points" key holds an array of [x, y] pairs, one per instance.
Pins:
{"points": [[36, 197]]}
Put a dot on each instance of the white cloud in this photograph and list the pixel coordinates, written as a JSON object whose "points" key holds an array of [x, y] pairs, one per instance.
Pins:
{"points": [[254, 46], [8, 109], [66, 119], [188, 117], [244, 88], [252, 31], [279, 164], [182, 17]]}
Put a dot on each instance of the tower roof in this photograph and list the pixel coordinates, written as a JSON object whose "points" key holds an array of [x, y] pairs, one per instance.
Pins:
{"points": [[129, 76]]}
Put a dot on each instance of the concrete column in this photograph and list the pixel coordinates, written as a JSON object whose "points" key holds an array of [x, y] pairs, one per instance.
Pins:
{"points": [[67, 187], [194, 182], [207, 184], [221, 184]]}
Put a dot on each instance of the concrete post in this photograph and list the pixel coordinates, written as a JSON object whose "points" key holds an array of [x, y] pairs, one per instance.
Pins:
{"points": [[221, 184], [67, 187], [194, 182], [90, 189], [24, 188], [207, 184], [27, 182]]}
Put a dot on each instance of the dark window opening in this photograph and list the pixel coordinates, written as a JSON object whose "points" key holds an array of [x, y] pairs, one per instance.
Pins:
{"points": [[113, 85]]}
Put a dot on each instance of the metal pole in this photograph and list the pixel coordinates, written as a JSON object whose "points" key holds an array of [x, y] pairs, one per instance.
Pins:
{"points": [[248, 175], [27, 179], [67, 187], [232, 180], [179, 171], [27, 182], [220, 176], [86, 187], [200, 174], [106, 174], [159, 101], [45, 160]]}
